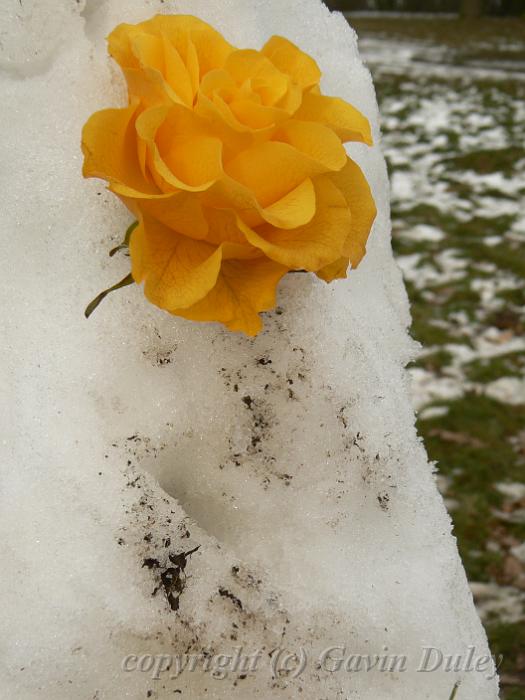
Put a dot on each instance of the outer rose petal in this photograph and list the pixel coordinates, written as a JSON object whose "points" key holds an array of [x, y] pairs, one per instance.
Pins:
{"points": [[347, 121], [199, 46], [181, 212], [119, 45], [211, 48], [291, 60], [316, 141], [109, 144], [177, 271], [335, 271], [244, 288], [354, 186], [314, 245], [356, 190], [141, 56]]}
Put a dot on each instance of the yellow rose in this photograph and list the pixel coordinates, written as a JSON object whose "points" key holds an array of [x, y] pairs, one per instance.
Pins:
{"points": [[234, 165]]}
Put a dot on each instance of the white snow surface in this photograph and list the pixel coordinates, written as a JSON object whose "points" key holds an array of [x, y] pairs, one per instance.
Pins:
{"points": [[291, 460]]}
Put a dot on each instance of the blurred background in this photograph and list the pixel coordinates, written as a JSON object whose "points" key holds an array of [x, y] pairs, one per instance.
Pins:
{"points": [[465, 8], [450, 81]]}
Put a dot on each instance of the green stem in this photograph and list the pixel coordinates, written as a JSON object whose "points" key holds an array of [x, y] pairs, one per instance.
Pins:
{"points": [[454, 691], [128, 279], [125, 242]]}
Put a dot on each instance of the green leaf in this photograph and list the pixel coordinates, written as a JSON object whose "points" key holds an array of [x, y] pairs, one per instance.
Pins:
{"points": [[129, 231], [128, 279], [454, 691], [125, 243], [120, 246]]}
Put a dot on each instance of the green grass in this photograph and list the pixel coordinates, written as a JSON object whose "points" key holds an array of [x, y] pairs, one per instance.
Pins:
{"points": [[506, 639], [485, 371], [500, 160], [467, 40], [472, 443], [435, 361], [473, 470]]}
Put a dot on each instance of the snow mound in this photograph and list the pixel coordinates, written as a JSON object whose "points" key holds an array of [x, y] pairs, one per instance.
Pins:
{"points": [[171, 488]]}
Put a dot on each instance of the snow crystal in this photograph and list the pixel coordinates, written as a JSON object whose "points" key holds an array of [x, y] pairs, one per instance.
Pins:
{"points": [[170, 487]]}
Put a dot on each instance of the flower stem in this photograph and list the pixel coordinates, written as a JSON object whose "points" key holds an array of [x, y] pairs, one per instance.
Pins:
{"points": [[128, 279]]}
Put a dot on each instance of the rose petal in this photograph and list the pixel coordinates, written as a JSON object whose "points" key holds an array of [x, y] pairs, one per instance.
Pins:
{"points": [[177, 271], [211, 47], [222, 227], [149, 51], [333, 271], [177, 75], [316, 141], [109, 148], [181, 212], [150, 66], [141, 57], [356, 191], [271, 170], [119, 44], [347, 121], [295, 208], [315, 244], [181, 154], [264, 78], [243, 289], [288, 58], [254, 116]]}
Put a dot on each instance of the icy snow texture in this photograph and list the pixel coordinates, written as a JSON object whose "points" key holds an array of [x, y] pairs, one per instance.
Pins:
{"points": [[291, 460]]}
